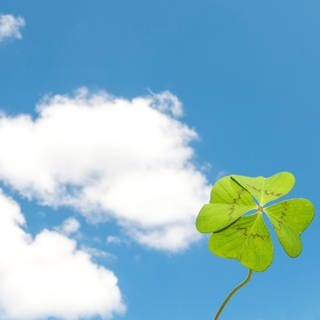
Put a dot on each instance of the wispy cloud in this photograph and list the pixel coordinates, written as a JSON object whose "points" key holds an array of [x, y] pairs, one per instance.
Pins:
{"points": [[10, 26], [99, 254], [46, 276], [110, 157], [114, 240], [69, 226]]}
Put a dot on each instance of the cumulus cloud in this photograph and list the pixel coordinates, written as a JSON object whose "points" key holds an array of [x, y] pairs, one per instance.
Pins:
{"points": [[110, 158], [10, 26], [46, 276]]}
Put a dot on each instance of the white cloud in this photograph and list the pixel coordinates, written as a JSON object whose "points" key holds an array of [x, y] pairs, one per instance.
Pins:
{"points": [[69, 226], [173, 237], [129, 160], [10, 26], [47, 276]]}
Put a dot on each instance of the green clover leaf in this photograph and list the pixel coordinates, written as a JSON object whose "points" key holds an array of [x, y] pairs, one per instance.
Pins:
{"points": [[235, 217]]}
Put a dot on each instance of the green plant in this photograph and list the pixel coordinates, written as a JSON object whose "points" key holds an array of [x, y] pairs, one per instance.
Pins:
{"points": [[235, 217]]}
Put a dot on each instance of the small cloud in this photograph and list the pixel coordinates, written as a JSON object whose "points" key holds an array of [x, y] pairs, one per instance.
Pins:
{"points": [[167, 102], [10, 26], [69, 226], [100, 254], [113, 240]]}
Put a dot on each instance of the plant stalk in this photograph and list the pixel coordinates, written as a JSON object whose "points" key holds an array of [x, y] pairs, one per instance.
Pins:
{"points": [[230, 295]]}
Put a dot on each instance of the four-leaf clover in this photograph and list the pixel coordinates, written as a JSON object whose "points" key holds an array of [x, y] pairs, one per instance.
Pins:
{"points": [[235, 217]]}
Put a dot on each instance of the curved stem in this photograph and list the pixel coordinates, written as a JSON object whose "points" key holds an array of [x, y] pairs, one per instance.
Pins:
{"points": [[238, 287]]}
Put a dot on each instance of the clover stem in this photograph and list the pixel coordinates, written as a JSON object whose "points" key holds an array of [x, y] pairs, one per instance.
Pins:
{"points": [[230, 295]]}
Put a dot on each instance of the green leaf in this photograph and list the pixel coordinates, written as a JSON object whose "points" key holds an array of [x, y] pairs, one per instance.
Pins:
{"points": [[267, 189], [289, 219], [228, 202], [245, 237], [247, 240]]}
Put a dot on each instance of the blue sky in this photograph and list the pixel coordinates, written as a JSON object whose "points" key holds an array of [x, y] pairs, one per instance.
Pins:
{"points": [[247, 75]]}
